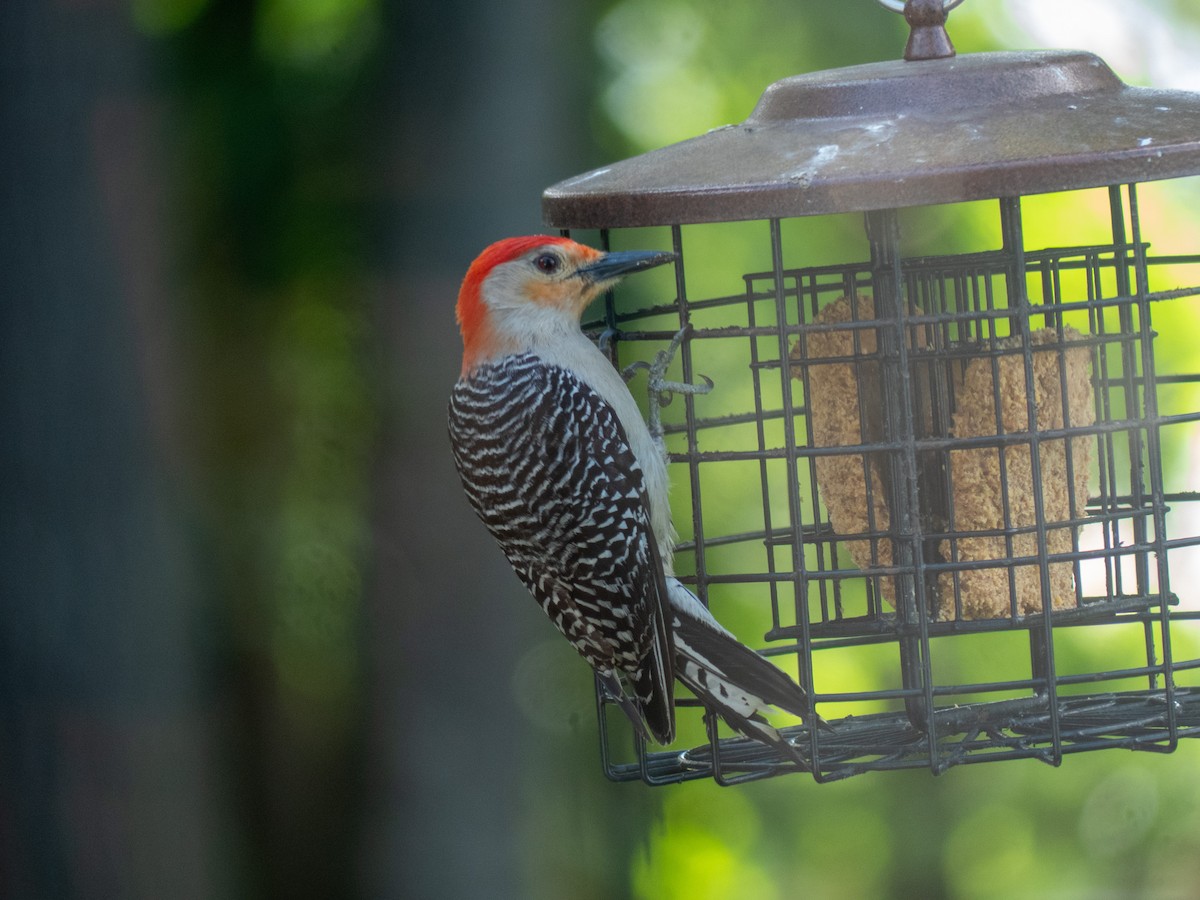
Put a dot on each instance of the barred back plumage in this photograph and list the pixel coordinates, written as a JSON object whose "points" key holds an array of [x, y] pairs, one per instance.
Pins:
{"points": [[548, 468]]}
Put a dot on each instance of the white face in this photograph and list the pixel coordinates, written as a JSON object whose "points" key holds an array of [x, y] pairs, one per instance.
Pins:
{"points": [[537, 293]]}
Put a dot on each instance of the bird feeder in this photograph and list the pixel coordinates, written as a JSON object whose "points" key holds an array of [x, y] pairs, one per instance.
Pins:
{"points": [[952, 489]]}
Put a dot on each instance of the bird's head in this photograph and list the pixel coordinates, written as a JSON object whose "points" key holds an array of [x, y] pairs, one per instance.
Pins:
{"points": [[525, 289]]}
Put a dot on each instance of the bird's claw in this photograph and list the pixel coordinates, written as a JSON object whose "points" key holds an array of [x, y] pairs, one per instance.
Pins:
{"points": [[606, 341], [667, 389], [660, 391], [633, 368]]}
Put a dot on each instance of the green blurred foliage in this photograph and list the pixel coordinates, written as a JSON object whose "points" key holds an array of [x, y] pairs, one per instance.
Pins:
{"points": [[163, 17], [268, 105]]}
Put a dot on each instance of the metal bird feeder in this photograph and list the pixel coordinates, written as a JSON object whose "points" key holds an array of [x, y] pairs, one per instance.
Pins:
{"points": [[936, 486]]}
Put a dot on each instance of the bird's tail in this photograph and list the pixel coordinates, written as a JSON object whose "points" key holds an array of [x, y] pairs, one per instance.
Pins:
{"points": [[727, 676]]}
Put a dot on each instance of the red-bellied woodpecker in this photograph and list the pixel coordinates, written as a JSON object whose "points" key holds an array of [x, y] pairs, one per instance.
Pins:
{"points": [[557, 461]]}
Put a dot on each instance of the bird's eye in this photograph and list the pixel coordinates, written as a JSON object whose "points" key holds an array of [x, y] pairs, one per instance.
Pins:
{"points": [[547, 263]]}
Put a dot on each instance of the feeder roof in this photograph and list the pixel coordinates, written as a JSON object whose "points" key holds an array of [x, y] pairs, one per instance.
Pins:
{"points": [[896, 134]]}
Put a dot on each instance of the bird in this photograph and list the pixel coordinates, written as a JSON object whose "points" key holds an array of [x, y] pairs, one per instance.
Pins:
{"points": [[558, 463]]}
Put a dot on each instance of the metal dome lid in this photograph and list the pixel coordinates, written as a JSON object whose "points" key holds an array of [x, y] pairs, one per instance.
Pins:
{"points": [[901, 133]]}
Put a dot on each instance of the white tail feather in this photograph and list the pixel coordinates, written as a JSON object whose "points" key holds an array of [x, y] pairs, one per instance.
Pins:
{"points": [[727, 676]]}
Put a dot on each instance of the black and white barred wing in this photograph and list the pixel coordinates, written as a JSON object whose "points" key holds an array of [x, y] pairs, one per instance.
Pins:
{"points": [[547, 466]]}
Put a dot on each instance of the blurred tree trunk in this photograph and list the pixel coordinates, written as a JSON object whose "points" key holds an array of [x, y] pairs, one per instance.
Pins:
{"points": [[107, 771], [488, 104]]}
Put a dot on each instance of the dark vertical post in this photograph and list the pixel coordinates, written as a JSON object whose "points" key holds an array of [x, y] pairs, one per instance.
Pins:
{"points": [[1154, 454], [899, 435], [795, 507], [1041, 638], [1131, 374]]}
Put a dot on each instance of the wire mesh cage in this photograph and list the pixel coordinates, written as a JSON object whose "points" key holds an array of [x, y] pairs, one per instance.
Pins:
{"points": [[953, 493]]}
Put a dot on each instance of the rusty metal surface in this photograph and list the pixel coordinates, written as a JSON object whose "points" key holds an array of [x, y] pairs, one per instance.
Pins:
{"points": [[896, 134]]}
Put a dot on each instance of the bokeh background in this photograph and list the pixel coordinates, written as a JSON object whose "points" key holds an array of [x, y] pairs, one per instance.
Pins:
{"points": [[252, 641]]}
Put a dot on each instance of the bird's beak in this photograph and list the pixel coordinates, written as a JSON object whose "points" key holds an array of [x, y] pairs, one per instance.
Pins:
{"points": [[612, 266]]}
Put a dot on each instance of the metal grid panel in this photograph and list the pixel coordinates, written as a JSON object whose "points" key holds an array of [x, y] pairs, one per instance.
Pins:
{"points": [[876, 620]]}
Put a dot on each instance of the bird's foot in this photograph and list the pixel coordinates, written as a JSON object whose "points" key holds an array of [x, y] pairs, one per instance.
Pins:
{"points": [[659, 390]]}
